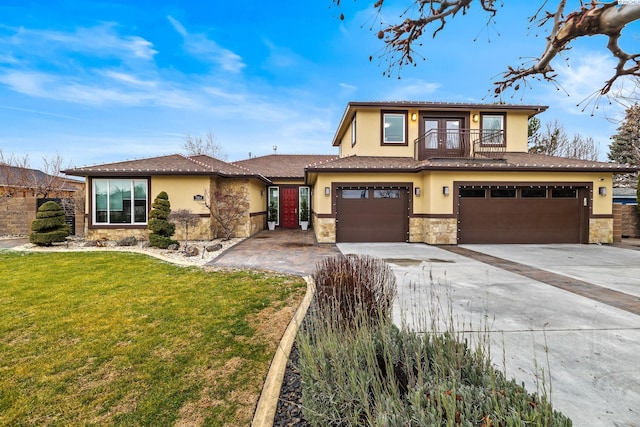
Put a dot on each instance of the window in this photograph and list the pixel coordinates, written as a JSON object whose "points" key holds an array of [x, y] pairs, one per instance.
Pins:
{"points": [[303, 200], [355, 194], [274, 200], [120, 201], [503, 193], [353, 131], [492, 129], [472, 192], [394, 128], [386, 194], [531, 193], [564, 193]]}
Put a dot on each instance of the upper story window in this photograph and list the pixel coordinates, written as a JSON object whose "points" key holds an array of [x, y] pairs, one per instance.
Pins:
{"points": [[394, 128], [120, 201], [353, 131], [493, 129]]}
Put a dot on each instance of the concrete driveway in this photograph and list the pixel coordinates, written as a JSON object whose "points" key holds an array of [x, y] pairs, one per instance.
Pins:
{"points": [[571, 310]]}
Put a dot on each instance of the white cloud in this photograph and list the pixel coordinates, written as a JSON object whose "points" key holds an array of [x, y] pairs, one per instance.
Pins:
{"points": [[411, 90], [98, 41], [92, 92], [207, 50], [129, 79]]}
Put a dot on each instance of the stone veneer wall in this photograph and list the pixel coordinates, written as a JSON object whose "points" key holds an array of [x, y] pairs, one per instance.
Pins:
{"points": [[630, 221], [601, 230], [117, 233], [258, 222], [16, 215], [441, 231], [325, 229]]}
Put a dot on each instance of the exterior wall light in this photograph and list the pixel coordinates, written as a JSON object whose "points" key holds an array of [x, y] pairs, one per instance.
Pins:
{"points": [[602, 191], [198, 197], [417, 191], [327, 191], [475, 118], [445, 190], [414, 117]]}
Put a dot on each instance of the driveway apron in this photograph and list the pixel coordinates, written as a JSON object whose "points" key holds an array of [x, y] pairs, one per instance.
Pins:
{"points": [[286, 251], [561, 318]]}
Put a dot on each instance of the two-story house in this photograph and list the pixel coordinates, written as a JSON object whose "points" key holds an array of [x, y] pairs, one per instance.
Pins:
{"points": [[438, 173]]}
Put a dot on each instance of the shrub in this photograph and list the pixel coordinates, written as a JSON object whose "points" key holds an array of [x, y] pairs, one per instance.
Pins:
{"points": [[374, 373], [49, 225], [347, 285], [161, 228]]}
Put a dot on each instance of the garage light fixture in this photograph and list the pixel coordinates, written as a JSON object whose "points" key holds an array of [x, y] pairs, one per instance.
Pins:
{"points": [[198, 197], [414, 117], [445, 190], [602, 191], [416, 191], [327, 191]]}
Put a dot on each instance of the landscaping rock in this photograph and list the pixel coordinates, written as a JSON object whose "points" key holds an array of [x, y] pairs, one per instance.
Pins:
{"points": [[90, 244], [191, 251], [128, 241], [213, 248], [172, 247]]}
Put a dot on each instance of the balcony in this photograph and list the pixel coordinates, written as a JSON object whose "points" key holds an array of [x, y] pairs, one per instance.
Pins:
{"points": [[460, 144]]}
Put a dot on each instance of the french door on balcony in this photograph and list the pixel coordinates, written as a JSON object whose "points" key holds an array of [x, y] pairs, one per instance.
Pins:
{"points": [[442, 137]]}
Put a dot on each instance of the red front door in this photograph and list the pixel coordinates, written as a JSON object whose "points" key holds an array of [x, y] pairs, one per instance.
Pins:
{"points": [[289, 217]]}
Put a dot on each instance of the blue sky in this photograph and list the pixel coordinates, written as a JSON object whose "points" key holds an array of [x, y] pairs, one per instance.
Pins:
{"points": [[98, 81]]}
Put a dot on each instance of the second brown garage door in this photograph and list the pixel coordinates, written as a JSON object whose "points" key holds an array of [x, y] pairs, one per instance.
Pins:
{"points": [[539, 214], [372, 214]]}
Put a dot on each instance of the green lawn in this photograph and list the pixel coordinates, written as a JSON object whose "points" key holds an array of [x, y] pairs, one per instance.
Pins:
{"points": [[124, 339]]}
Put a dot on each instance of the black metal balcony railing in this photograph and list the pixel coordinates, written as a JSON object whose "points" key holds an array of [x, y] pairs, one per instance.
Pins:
{"points": [[458, 143]]}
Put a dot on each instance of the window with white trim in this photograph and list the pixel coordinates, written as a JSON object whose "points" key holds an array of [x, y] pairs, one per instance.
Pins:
{"points": [[394, 128], [120, 201], [274, 201], [493, 129]]}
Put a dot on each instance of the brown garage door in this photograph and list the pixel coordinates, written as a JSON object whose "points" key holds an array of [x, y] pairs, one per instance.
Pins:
{"points": [[372, 214], [541, 214]]}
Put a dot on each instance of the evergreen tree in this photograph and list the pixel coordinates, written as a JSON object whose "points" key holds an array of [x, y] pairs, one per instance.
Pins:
{"points": [[161, 228], [49, 225], [625, 147]]}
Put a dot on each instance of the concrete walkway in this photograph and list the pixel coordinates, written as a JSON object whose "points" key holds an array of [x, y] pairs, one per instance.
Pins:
{"points": [[568, 310], [11, 243]]}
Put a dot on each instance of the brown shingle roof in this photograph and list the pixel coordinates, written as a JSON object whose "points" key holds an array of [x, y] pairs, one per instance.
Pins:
{"points": [[174, 164], [525, 161], [283, 165], [508, 161], [366, 163]]}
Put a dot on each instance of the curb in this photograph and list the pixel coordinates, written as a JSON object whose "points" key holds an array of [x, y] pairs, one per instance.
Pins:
{"points": [[268, 401]]}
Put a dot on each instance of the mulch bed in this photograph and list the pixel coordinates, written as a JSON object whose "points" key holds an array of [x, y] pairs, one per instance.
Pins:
{"points": [[289, 410]]}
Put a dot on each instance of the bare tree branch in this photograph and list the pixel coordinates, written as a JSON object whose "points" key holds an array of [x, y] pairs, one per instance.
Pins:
{"points": [[592, 18], [196, 145]]}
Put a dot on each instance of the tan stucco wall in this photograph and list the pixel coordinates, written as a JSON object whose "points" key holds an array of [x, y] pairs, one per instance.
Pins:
{"points": [[368, 137], [181, 190], [432, 201], [368, 134], [517, 131]]}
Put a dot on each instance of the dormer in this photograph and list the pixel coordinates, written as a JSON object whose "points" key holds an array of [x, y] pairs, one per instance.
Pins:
{"points": [[428, 130]]}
